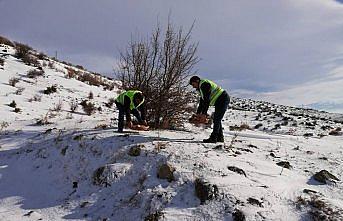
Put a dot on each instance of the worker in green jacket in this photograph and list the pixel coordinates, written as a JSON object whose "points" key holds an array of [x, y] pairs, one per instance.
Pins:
{"points": [[131, 101], [211, 95]]}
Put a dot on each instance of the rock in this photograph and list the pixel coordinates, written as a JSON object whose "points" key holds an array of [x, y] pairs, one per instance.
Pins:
{"points": [[154, 216], [324, 177], [237, 170], [136, 150], [254, 201], [165, 171], [308, 191], [238, 215], [336, 132], [205, 191], [108, 174], [284, 164], [308, 135], [75, 185], [78, 137], [258, 125]]}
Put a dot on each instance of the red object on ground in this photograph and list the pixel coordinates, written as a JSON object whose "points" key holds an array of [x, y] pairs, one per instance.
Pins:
{"points": [[139, 127]]}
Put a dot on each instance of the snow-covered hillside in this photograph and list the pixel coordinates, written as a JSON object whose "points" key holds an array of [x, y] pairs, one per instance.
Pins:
{"points": [[59, 164]]}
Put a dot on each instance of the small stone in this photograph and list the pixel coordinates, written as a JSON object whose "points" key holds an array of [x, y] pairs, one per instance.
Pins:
{"points": [[284, 164], [308, 191], [254, 201], [324, 177], [135, 150], [238, 215], [237, 170], [205, 191], [166, 171]]}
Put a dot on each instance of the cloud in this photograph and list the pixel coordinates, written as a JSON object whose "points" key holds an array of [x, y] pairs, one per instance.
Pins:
{"points": [[260, 46]]}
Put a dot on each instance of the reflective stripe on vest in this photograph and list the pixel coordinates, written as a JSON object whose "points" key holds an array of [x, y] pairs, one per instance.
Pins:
{"points": [[216, 91], [121, 98]]}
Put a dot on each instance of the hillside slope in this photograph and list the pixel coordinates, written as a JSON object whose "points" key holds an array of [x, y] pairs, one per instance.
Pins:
{"points": [[56, 164]]}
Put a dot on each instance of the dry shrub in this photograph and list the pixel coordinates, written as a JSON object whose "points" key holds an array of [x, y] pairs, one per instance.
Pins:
{"points": [[91, 79], [88, 107], [13, 81], [35, 73], [58, 106], [22, 50], [71, 73], [51, 65], [90, 95], [44, 120], [37, 98], [42, 56], [19, 91], [73, 106], [13, 104], [318, 209], [110, 102], [242, 127], [159, 67], [6, 41], [31, 60], [50, 90]]}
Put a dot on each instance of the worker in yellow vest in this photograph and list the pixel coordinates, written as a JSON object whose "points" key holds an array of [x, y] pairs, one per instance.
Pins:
{"points": [[211, 95], [131, 101]]}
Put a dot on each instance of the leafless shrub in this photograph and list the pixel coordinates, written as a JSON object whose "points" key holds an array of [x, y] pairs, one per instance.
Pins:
{"points": [[233, 140], [110, 102], [13, 81], [58, 106], [101, 126], [13, 104], [23, 52], [318, 209], [90, 95], [88, 107], [243, 126], [37, 98], [71, 73], [159, 68], [5, 41], [19, 91], [35, 73], [73, 106], [44, 120], [31, 60], [80, 67], [51, 65], [50, 90], [3, 124], [42, 56], [17, 110], [91, 79]]}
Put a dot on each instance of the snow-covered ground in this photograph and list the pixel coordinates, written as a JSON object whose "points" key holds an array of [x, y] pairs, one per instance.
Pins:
{"points": [[77, 167]]}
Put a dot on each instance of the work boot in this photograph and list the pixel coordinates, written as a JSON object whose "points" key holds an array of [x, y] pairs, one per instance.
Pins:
{"points": [[220, 138], [211, 139]]}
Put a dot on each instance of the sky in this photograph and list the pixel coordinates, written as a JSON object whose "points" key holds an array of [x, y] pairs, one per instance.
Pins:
{"points": [[249, 47]]}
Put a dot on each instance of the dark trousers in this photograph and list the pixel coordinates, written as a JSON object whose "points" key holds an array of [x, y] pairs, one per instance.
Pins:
{"points": [[122, 112], [220, 108]]}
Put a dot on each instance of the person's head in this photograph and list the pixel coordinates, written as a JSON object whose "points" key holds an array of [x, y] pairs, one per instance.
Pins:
{"points": [[138, 98], [194, 81]]}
